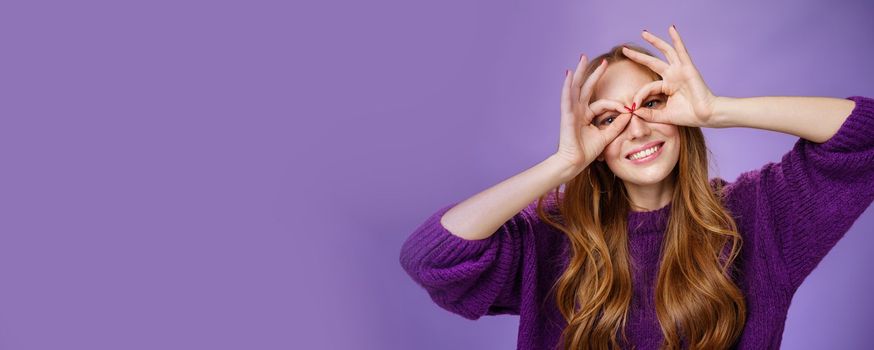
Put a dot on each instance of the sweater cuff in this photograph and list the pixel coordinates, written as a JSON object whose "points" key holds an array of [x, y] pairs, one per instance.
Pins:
{"points": [[433, 244], [856, 131]]}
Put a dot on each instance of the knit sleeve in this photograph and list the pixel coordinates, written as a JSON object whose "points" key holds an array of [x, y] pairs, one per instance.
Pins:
{"points": [[471, 278], [811, 198]]}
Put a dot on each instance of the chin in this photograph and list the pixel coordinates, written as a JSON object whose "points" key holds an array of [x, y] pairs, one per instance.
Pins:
{"points": [[648, 175], [644, 179]]}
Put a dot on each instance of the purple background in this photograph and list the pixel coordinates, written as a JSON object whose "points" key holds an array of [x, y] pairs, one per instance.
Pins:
{"points": [[241, 175]]}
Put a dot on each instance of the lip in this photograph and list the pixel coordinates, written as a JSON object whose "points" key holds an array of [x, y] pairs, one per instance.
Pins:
{"points": [[641, 148]]}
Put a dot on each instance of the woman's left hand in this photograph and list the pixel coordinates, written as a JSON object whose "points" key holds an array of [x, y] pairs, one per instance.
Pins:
{"points": [[689, 101]]}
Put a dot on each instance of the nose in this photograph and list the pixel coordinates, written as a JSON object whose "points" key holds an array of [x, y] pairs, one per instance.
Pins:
{"points": [[637, 127]]}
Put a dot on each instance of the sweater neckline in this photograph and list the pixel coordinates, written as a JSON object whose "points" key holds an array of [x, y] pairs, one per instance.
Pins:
{"points": [[649, 222]]}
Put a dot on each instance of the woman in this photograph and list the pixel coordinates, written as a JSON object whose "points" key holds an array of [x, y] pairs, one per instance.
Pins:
{"points": [[641, 249]]}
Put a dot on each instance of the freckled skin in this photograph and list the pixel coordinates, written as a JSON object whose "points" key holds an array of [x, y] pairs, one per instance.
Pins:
{"points": [[649, 184]]}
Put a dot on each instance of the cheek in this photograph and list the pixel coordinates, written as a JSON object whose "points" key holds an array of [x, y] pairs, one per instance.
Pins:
{"points": [[612, 149], [671, 131]]}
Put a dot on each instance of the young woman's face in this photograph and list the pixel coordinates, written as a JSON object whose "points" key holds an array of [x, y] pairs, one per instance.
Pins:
{"points": [[620, 83]]}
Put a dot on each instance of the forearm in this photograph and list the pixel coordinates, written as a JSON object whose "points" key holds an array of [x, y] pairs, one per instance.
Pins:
{"points": [[480, 216], [812, 118]]}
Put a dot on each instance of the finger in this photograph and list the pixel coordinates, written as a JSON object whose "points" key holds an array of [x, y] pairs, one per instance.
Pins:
{"points": [[655, 64], [649, 89], [589, 85], [569, 122], [603, 106], [578, 77], [663, 46], [682, 53], [652, 88], [565, 94]]}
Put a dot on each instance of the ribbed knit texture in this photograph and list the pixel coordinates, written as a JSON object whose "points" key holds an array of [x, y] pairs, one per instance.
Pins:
{"points": [[790, 215]]}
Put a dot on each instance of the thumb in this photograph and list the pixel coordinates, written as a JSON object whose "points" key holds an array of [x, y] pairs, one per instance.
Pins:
{"points": [[615, 128], [652, 115]]}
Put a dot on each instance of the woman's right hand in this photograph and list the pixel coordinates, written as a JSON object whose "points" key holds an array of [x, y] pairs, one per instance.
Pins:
{"points": [[581, 141]]}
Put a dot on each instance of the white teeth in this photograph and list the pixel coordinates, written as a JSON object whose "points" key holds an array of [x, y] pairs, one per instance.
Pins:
{"points": [[644, 153]]}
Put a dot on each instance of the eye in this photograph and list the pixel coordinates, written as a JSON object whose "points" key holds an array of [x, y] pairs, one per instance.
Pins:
{"points": [[604, 120], [647, 103]]}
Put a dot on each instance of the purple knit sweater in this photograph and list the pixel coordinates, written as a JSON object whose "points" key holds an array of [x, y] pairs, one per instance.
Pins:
{"points": [[790, 215]]}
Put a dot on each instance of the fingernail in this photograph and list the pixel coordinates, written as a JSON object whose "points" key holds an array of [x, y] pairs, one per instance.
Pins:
{"points": [[604, 61], [645, 30], [674, 25], [581, 57], [566, 71]]}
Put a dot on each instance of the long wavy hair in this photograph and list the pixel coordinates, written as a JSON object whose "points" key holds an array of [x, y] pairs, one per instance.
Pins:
{"points": [[697, 302]]}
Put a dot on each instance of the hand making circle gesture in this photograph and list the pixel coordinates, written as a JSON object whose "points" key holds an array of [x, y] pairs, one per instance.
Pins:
{"points": [[689, 100], [580, 141]]}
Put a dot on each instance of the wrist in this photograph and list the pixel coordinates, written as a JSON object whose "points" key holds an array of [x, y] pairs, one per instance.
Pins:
{"points": [[564, 168], [722, 117]]}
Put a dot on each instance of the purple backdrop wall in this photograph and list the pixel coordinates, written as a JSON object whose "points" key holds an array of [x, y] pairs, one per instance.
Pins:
{"points": [[241, 175]]}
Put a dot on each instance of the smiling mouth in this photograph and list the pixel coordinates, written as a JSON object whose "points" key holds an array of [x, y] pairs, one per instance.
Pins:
{"points": [[646, 152]]}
